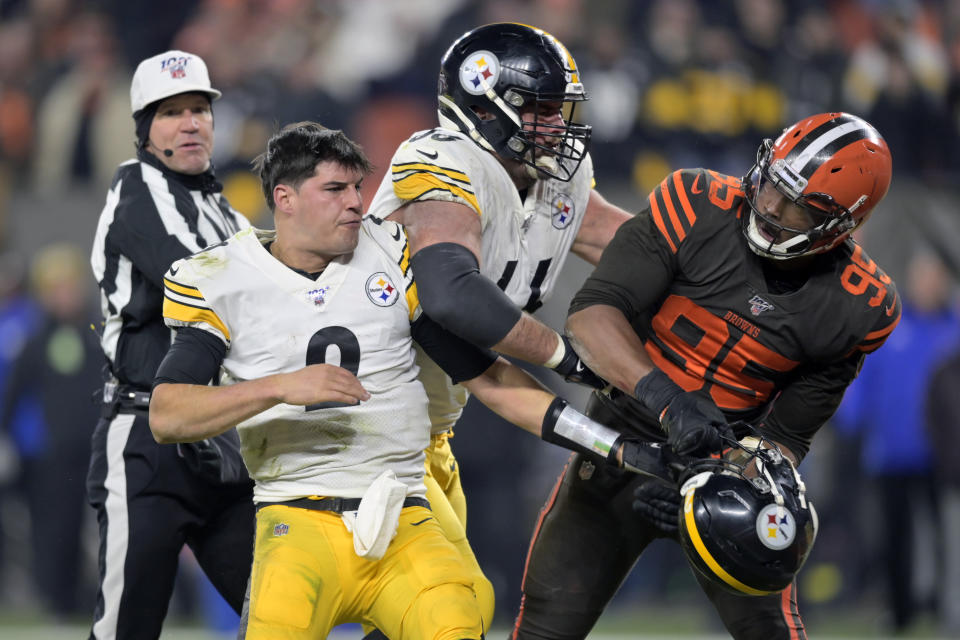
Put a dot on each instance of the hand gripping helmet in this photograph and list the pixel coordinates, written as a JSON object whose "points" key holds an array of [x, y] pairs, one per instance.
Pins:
{"points": [[748, 535], [492, 74], [835, 166]]}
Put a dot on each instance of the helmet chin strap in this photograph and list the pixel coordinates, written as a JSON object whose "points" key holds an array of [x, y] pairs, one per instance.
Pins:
{"points": [[471, 128]]}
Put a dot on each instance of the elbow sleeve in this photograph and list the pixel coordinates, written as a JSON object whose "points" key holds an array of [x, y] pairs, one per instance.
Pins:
{"points": [[456, 295]]}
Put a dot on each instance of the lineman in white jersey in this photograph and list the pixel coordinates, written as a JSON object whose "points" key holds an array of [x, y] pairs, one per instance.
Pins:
{"points": [[313, 326], [493, 201]]}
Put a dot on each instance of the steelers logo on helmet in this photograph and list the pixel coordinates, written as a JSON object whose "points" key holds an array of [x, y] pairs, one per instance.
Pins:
{"points": [[776, 528], [563, 211], [479, 72], [381, 290]]}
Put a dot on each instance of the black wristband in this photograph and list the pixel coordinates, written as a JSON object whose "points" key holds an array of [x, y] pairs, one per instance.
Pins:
{"points": [[550, 418], [656, 390], [565, 426]]}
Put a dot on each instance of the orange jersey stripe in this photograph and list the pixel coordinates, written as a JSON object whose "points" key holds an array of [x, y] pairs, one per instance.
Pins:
{"points": [[682, 197], [881, 334], [671, 210], [791, 615], [658, 220]]}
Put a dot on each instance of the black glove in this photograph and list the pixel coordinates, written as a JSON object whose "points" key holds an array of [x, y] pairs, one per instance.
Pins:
{"points": [[573, 369], [640, 456], [692, 421], [659, 503], [694, 425], [216, 460]]}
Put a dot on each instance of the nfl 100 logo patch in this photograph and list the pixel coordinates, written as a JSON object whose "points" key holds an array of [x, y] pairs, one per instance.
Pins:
{"points": [[317, 296], [758, 305], [177, 66]]}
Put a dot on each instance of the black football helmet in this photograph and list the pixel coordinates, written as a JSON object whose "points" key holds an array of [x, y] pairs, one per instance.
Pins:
{"points": [[750, 535], [493, 73]]}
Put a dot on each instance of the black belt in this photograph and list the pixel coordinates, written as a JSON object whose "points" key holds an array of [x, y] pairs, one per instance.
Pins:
{"points": [[337, 505], [121, 396]]}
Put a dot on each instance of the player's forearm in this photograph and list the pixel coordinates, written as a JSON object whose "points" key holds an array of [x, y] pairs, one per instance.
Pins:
{"points": [[600, 224], [513, 394], [605, 341], [517, 396], [188, 412], [529, 340]]}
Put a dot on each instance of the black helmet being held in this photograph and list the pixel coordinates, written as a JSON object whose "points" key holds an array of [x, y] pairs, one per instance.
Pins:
{"points": [[750, 535]]}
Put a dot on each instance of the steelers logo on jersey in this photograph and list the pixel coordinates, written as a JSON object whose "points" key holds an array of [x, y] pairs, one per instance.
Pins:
{"points": [[562, 214], [776, 528], [381, 290], [479, 72]]}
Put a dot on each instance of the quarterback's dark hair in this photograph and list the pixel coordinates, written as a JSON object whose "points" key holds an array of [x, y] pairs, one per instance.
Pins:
{"points": [[294, 152]]}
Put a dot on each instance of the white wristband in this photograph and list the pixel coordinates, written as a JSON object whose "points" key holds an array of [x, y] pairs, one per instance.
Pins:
{"points": [[590, 434], [558, 353]]}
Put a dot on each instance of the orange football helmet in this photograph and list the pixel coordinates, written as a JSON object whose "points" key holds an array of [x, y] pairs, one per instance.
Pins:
{"points": [[835, 166]]}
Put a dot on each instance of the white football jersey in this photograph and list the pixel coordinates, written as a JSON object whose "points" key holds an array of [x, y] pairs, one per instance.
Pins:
{"points": [[524, 242], [357, 315]]}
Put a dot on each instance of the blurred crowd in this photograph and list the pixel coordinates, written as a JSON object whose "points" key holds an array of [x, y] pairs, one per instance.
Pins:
{"points": [[673, 83]]}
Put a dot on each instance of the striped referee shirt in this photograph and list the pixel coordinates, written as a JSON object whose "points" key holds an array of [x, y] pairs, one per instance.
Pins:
{"points": [[153, 216]]}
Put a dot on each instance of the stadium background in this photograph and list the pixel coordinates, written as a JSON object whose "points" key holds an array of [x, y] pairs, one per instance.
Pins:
{"points": [[673, 83]]}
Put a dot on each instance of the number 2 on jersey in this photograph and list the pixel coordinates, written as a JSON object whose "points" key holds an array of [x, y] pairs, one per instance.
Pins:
{"points": [[346, 342]]}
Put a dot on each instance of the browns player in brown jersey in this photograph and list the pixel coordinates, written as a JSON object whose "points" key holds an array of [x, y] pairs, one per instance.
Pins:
{"points": [[727, 308]]}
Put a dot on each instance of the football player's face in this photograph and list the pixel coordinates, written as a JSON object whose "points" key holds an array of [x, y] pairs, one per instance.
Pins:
{"points": [[183, 125], [777, 207], [329, 208], [548, 117]]}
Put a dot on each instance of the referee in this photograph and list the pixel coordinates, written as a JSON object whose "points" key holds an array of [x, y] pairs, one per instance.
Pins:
{"points": [[151, 499]]}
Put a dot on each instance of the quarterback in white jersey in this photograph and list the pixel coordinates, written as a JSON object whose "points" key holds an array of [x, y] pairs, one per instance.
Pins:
{"points": [[238, 291], [313, 327]]}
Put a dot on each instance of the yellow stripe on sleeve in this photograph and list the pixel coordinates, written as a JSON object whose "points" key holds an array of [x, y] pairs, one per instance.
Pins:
{"points": [[182, 289], [405, 258], [186, 313], [453, 174], [413, 301], [414, 186]]}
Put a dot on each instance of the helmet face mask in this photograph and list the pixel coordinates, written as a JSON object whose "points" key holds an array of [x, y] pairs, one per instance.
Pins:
{"points": [[834, 166], [750, 535], [502, 84]]}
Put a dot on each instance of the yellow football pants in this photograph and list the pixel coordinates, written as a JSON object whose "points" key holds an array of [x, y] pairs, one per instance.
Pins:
{"points": [[449, 506], [307, 579]]}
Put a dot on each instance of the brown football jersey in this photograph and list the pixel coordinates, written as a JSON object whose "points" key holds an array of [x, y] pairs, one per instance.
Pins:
{"points": [[768, 344]]}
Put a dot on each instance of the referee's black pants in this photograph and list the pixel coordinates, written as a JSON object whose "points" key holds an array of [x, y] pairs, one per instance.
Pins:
{"points": [[586, 542], [149, 504]]}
